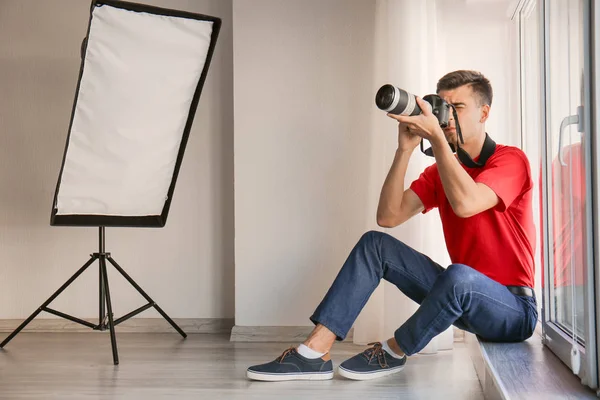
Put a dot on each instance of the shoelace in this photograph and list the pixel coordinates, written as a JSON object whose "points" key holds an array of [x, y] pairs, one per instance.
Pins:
{"points": [[289, 351], [376, 351]]}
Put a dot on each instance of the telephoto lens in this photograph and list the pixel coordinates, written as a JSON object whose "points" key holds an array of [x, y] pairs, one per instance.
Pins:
{"points": [[396, 101]]}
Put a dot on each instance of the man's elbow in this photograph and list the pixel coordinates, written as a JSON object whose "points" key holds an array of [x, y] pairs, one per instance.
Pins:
{"points": [[385, 224], [388, 222], [464, 210]]}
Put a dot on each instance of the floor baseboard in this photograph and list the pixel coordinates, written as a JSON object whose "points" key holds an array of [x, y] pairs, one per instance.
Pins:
{"points": [[134, 325]]}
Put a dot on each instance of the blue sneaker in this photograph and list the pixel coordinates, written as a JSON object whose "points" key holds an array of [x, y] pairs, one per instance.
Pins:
{"points": [[292, 366], [372, 363]]}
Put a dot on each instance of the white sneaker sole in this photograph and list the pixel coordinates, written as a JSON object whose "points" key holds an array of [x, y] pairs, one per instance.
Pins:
{"points": [[260, 376], [363, 376]]}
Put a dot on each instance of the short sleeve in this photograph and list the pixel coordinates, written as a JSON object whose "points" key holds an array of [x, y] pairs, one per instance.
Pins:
{"points": [[425, 187], [508, 175]]}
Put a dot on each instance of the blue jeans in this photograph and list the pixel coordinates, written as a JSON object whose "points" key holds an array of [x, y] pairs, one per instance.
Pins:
{"points": [[458, 295]]}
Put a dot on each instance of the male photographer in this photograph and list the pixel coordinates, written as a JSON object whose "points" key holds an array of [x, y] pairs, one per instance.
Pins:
{"points": [[487, 218]]}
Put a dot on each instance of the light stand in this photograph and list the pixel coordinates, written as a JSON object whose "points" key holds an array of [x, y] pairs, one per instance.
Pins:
{"points": [[104, 314], [141, 75]]}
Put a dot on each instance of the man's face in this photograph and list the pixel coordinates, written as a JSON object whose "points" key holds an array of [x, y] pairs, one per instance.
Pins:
{"points": [[470, 113]]}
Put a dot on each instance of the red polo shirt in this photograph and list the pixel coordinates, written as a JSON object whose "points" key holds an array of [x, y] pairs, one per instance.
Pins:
{"points": [[499, 242]]}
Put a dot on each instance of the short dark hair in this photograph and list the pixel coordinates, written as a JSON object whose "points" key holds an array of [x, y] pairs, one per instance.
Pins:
{"points": [[479, 84]]}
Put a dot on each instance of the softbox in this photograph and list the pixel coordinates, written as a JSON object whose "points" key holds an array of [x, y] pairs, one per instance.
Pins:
{"points": [[141, 75]]}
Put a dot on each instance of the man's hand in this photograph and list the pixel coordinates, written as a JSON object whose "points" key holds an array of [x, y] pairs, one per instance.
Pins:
{"points": [[424, 125], [407, 140]]}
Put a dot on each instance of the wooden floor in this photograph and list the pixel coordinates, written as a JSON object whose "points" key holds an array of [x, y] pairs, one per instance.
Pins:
{"points": [[157, 366]]}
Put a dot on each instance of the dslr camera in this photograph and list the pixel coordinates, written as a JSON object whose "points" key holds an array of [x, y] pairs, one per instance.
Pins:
{"points": [[400, 102]]}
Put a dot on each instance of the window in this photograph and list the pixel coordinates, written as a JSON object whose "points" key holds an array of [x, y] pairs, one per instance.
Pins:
{"points": [[556, 116]]}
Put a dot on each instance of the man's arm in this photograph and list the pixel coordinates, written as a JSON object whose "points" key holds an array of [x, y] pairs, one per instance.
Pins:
{"points": [[466, 196], [397, 205]]}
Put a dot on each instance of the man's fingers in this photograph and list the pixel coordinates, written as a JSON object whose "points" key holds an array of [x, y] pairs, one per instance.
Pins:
{"points": [[400, 118], [410, 123], [425, 106]]}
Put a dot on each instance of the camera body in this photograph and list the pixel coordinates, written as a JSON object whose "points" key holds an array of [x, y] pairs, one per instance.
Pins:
{"points": [[397, 101]]}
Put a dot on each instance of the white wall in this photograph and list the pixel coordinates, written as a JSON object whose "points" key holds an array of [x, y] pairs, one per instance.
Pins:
{"points": [[188, 266], [306, 163], [303, 93]]}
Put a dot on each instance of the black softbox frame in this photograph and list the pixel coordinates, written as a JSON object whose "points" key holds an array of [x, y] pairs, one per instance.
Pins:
{"points": [[158, 220]]}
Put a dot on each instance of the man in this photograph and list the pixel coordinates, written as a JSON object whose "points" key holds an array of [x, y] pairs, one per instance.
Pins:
{"points": [[487, 218]]}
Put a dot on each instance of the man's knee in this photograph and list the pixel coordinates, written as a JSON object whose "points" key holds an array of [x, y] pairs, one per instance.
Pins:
{"points": [[370, 238], [456, 283], [372, 243], [458, 276], [374, 238]]}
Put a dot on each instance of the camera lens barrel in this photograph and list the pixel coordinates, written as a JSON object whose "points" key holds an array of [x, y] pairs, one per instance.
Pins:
{"points": [[396, 101]]}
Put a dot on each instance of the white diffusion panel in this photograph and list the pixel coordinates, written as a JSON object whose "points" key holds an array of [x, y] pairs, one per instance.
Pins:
{"points": [[139, 77]]}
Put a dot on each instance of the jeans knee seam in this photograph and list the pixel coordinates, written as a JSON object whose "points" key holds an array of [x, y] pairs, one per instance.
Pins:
{"points": [[405, 272]]}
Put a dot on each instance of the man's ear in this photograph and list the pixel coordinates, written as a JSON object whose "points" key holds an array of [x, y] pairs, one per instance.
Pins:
{"points": [[485, 113]]}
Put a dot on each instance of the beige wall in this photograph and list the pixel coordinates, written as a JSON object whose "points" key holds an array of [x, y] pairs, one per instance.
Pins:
{"points": [[187, 267], [303, 93]]}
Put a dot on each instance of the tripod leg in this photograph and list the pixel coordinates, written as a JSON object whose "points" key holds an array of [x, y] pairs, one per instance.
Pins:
{"points": [[111, 325], [101, 295], [101, 302], [50, 300], [148, 298]]}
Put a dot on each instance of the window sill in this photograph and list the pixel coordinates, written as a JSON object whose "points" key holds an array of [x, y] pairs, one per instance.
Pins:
{"points": [[526, 370]]}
